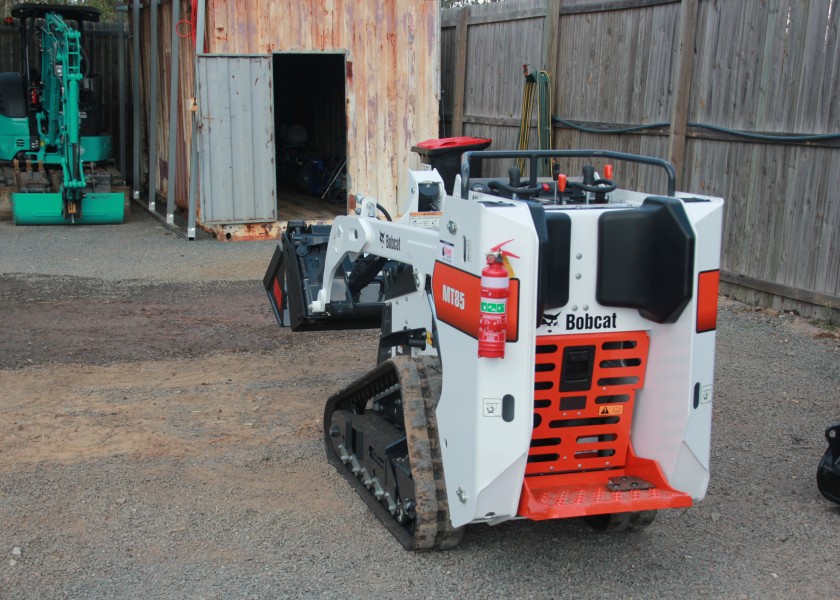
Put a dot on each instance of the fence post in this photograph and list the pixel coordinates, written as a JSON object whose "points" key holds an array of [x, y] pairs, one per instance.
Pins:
{"points": [[460, 74], [551, 39], [153, 104], [138, 101], [174, 93], [681, 76]]}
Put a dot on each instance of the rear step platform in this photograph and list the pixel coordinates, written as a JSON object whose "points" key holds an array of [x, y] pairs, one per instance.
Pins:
{"points": [[639, 486]]}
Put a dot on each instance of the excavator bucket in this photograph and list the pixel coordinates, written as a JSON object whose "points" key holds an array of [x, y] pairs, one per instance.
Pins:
{"points": [[828, 473], [295, 275], [47, 208]]}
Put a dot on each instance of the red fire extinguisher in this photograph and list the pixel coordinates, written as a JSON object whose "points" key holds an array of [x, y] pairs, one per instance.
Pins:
{"points": [[492, 320]]}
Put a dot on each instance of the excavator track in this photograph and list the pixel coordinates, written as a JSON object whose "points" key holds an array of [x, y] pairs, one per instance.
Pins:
{"points": [[381, 434]]}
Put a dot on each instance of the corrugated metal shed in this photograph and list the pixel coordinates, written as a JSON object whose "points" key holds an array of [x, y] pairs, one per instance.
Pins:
{"points": [[391, 87], [237, 139]]}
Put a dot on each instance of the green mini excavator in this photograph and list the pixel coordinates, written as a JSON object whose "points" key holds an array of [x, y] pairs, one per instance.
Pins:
{"points": [[52, 153]]}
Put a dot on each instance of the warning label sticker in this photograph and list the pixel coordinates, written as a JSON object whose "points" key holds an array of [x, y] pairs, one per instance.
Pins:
{"points": [[446, 250], [492, 407], [425, 220], [610, 410]]}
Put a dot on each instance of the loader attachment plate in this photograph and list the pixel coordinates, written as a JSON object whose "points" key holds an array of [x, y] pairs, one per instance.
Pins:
{"points": [[46, 208], [296, 274]]}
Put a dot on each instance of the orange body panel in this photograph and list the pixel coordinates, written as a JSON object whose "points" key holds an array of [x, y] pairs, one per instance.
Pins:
{"points": [[707, 300], [464, 317], [585, 494]]}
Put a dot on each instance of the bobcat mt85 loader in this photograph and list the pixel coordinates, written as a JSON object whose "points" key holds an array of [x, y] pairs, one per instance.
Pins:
{"points": [[546, 350]]}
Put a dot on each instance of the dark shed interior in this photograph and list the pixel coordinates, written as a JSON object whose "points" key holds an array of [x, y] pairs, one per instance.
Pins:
{"points": [[310, 126]]}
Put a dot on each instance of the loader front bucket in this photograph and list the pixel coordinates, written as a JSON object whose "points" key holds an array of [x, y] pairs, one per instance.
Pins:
{"points": [[46, 208], [828, 473], [296, 273]]}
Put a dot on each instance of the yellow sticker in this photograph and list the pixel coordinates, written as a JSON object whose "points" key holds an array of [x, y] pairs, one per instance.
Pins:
{"points": [[610, 410], [508, 266]]}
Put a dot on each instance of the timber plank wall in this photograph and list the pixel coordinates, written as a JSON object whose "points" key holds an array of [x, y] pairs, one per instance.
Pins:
{"points": [[762, 66]]}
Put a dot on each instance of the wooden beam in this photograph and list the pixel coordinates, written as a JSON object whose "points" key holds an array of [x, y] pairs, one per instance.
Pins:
{"points": [[778, 289], [500, 17], [608, 5], [512, 15], [681, 82], [551, 41], [448, 20], [460, 75]]}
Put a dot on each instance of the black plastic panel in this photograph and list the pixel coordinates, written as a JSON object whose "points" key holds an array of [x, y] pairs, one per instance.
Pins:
{"points": [[559, 227], [576, 372], [508, 408], [646, 259], [554, 231], [12, 95]]}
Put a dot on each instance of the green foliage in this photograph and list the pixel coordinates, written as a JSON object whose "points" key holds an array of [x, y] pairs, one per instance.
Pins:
{"points": [[460, 3]]}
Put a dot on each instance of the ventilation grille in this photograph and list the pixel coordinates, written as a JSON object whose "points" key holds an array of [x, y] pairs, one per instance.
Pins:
{"points": [[586, 428]]}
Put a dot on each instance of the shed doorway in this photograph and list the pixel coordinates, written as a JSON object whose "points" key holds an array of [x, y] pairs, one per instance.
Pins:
{"points": [[310, 125]]}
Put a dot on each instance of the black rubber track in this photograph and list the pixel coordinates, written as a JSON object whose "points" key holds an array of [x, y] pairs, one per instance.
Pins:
{"points": [[419, 383]]}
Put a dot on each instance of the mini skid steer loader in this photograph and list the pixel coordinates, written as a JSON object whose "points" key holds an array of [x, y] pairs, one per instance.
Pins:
{"points": [[546, 350]]}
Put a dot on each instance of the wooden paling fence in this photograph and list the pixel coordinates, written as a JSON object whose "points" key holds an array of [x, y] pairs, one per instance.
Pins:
{"points": [[693, 73]]}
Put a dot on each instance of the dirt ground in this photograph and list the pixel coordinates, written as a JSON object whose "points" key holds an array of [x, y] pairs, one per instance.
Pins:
{"points": [[163, 440], [107, 368]]}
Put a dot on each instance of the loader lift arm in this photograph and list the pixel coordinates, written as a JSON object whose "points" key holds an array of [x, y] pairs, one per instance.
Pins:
{"points": [[61, 72]]}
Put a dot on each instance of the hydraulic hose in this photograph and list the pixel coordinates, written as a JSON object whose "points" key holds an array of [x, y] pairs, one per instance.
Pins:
{"points": [[735, 132]]}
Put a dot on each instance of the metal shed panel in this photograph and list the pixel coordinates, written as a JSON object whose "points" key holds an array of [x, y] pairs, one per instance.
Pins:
{"points": [[236, 139]]}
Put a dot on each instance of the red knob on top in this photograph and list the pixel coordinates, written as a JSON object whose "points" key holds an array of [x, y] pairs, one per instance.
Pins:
{"points": [[561, 182]]}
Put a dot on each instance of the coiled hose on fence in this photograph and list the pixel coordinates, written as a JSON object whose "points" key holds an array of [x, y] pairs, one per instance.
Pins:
{"points": [[537, 84]]}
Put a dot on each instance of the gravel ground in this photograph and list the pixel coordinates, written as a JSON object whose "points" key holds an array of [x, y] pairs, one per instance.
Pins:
{"points": [[160, 439], [140, 249]]}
